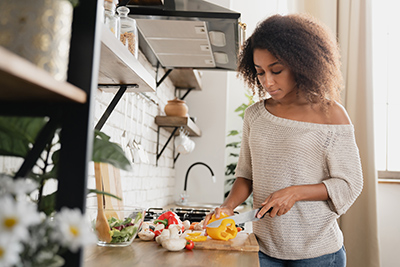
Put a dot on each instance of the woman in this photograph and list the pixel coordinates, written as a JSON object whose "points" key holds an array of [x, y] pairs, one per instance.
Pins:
{"points": [[298, 153]]}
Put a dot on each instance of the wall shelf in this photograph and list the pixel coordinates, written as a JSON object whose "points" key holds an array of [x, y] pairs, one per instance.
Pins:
{"points": [[186, 79], [170, 122], [21, 81], [119, 67]]}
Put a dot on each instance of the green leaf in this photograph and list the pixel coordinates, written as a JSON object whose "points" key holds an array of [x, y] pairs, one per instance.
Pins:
{"points": [[230, 169], [17, 134], [101, 135], [47, 203], [233, 133], [109, 152], [103, 193], [250, 99], [233, 144], [242, 107]]}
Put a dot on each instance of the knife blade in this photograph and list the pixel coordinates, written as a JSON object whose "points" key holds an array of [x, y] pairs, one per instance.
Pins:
{"points": [[249, 216]]}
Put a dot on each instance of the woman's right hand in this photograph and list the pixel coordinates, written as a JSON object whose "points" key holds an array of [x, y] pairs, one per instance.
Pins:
{"points": [[217, 212]]}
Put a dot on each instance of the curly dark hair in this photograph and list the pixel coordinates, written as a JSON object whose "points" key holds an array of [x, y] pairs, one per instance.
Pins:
{"points": [[306, 47]]}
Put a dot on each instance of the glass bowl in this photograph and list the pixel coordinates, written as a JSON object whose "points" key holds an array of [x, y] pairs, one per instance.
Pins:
{"points": [[124, 224]]}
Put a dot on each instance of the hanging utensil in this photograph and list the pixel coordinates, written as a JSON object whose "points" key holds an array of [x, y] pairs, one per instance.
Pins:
{"points": [[124, 133], [132, 143], [142, 152], [135, 142]]}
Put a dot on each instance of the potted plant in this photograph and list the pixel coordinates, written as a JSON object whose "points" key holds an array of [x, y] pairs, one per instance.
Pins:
{"points": [[30, 231], [234, 148]]}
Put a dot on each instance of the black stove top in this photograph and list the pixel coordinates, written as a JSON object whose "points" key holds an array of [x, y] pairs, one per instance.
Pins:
{"points": [[191, 214]]}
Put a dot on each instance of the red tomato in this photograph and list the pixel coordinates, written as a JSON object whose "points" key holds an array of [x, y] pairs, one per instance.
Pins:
{"points": [[189, 244]]}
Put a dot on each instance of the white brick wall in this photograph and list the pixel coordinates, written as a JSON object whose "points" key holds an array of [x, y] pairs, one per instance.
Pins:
{"points": [[146, 185]]}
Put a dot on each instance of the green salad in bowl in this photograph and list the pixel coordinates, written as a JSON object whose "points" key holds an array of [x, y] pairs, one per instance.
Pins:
{"points": [[123, 225]]}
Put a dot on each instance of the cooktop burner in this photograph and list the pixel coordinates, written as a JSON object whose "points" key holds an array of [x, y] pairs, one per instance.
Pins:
{"points": [[191, 214]]}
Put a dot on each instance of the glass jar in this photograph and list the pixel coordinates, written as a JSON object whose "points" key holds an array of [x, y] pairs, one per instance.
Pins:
{"points": [[128, 31], [110, 18]]}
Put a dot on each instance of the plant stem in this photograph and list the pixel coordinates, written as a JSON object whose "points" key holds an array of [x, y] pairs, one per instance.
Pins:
{"points": [[44, 169]]}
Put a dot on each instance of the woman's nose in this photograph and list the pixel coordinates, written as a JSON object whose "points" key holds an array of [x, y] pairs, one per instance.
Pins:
{"points": [[269, 81]]}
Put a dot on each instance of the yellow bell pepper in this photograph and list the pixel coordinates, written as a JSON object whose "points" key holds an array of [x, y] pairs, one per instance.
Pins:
{"points": [[227, 230], [194, 234], [199, 238]]}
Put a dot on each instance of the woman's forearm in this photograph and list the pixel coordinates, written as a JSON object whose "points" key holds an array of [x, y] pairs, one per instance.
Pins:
{"points": [[283, 200], [240, 191], [311, 192]]}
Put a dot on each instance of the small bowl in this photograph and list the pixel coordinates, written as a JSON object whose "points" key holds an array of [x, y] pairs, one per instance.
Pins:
{"points": [[121, 235]]}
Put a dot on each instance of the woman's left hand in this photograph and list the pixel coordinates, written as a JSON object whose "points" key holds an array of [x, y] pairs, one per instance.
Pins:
{"points": [[280, 201]]}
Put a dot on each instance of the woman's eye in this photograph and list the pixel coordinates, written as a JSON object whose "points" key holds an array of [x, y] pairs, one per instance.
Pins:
{"points": [[259, 73], [276, 72]]}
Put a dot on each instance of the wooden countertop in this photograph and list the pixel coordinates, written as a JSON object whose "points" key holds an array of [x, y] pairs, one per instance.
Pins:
{"points": [[142, 253]]}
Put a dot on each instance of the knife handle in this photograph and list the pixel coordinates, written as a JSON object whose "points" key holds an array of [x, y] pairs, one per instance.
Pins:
{"points": [[268, 211]]}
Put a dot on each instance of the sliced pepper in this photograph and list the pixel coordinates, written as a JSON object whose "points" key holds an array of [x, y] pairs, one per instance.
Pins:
{"points": [[194, 234], [227, 230], [199, 238]]}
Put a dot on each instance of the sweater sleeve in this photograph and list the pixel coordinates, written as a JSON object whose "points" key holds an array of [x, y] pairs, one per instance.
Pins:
{"points": [[244, 166], [345, 180]]}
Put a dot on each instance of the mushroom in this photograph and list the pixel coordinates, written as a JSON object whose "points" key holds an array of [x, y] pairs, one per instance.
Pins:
{"points": [[145, 234], [163, 236], [174, 242], [186, 225], [159, 229]]}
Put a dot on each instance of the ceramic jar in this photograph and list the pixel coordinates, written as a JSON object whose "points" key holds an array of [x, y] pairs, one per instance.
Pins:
{"points": [[39, 31], [176, 107]]}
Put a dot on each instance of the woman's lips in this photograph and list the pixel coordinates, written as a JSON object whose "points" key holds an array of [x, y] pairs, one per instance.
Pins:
{"points": [[273, 92]]}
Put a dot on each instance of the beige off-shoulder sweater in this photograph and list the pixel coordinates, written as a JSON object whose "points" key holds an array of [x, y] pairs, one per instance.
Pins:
{"points": [[276, 153]]}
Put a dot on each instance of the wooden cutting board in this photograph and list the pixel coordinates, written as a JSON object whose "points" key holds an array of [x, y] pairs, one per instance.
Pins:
{"points": [[111, 183], [242, 242]]}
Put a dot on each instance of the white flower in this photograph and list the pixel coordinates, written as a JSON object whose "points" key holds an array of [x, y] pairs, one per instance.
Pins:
{"points": [[16, 217], [9, 251], [71, 229], [24, 187], [17, 187]]}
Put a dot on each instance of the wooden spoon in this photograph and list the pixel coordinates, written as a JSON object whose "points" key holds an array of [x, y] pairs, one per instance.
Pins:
{"points": [[102, 227]]}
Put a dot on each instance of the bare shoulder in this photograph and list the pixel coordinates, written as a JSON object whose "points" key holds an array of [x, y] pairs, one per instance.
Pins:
{"points": [[338, 114]]}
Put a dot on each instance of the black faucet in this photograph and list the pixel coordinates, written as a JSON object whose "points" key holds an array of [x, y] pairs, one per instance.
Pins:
{"points": [[191, 166]]}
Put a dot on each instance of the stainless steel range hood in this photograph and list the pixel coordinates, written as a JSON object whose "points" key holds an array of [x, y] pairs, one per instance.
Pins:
{"points": [[188, 34]]}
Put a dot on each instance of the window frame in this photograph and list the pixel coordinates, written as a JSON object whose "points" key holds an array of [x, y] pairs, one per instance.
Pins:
{"points": [[388, 176]]}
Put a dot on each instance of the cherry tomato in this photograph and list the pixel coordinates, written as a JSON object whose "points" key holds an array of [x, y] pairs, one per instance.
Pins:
{"points": [[189, 244]]}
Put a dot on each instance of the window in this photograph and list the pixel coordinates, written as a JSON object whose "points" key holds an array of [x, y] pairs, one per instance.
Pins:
{"points": [[386, 86]]}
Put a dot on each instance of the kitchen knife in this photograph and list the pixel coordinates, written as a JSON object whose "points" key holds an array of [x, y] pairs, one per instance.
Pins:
{"points": [[249, 216]]}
